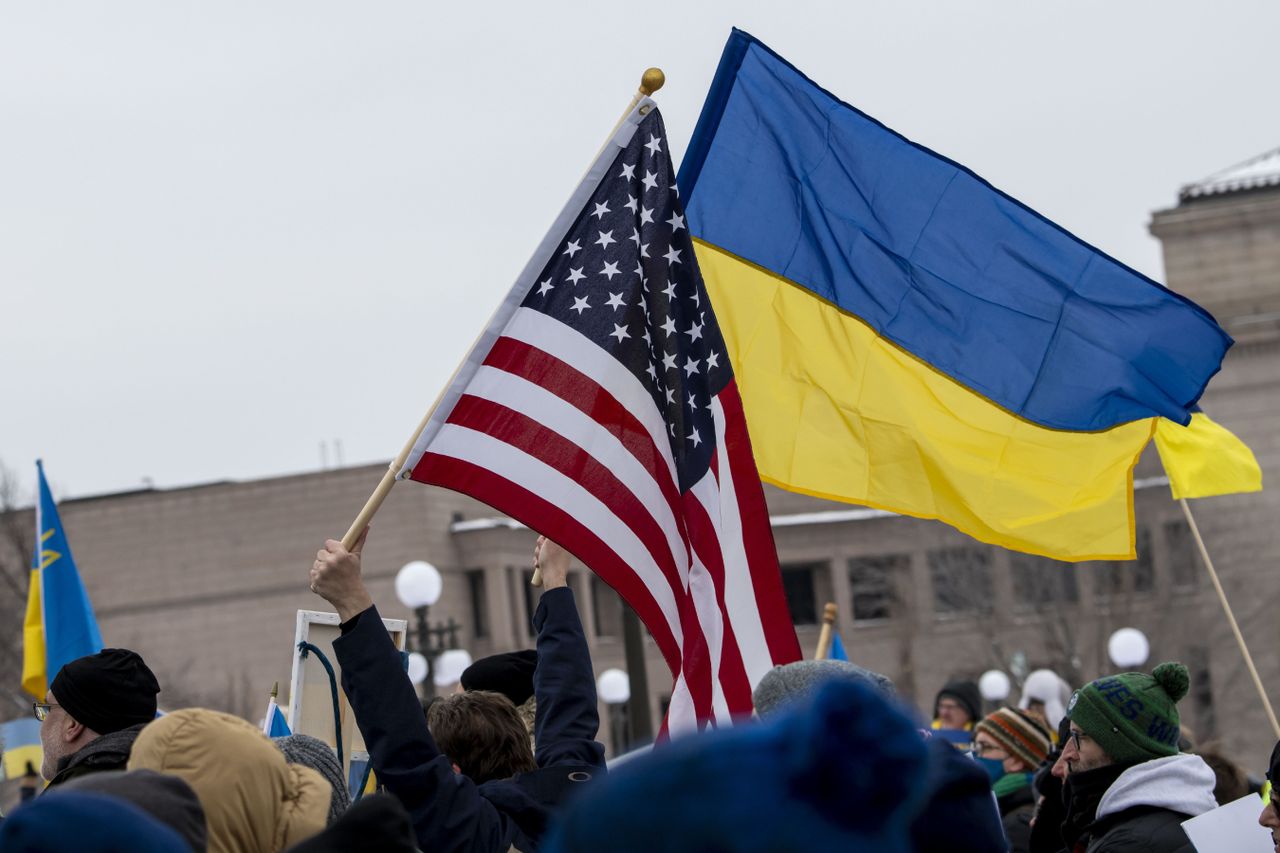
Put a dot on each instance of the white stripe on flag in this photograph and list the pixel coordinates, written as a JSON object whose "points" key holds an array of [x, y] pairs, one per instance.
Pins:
{"points": [[577, 350], [551, 411], [682, 718], [739, 589], [513, 464], [703, 592]]}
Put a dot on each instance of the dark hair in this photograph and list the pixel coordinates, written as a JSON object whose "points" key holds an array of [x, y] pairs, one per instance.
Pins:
{"points": [[482, 733], [1230, 781]]}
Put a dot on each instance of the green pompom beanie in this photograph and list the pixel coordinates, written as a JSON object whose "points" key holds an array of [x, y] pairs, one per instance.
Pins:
{"points": [[1133, 716]]}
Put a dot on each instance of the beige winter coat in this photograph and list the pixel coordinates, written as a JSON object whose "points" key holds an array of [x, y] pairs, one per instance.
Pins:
{"points": [[254, 800]]}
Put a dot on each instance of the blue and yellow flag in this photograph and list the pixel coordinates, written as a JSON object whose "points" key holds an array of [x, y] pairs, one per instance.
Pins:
{"points": [[1204, 459], [909, 337], [59, 625]]}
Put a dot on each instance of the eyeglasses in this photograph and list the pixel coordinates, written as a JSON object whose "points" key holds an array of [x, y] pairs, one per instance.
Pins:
{"points": [[980, 749], [1076, 736], [41, 709]]}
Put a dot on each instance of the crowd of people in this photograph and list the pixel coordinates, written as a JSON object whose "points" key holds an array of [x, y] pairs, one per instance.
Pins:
{"points": [[834, 760]]}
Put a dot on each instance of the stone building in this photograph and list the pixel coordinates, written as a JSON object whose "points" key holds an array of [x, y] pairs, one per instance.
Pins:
{"points": [[205, 581]]}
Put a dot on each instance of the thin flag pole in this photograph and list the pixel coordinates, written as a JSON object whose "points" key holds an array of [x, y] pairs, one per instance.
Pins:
{"points": [[824, 636], [650, 82], [1231, 619]]}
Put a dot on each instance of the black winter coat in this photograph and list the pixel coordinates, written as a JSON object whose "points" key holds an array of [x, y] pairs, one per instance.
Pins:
{"points": [[1142, 829], [451, 813], [1016, 810], [107, 752]]}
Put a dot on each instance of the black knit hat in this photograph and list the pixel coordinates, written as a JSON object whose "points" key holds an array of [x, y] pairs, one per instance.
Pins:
{"points": [[1273, 769], [510, 674], [107, 692], [964, 692]]}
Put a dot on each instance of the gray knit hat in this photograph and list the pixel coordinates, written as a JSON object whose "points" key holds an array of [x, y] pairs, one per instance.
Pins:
{"points": [[785, 684], [316, 754]]}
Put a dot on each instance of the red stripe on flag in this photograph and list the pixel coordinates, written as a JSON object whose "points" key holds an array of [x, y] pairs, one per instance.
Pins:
{"points": [[757, 535], [584, 394], [706, 544], [560, 526], [545, 444]]}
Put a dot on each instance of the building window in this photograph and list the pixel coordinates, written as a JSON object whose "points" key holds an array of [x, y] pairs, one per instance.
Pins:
{"points": [[872, 585], [479, 600], [1040, 582], [1108, 579], [607, 606], [1183, 569], [1113, 578], [1144, 569], [800, 587], [961, 580]]}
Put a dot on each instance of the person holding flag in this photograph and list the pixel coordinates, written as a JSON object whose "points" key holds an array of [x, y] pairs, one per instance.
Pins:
{"points": [[450, 810]]}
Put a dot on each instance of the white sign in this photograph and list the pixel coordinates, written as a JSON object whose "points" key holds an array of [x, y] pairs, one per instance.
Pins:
{"points": [[1232, 828]]}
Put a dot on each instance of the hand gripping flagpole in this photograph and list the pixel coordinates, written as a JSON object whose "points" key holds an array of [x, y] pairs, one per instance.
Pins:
{"points": [[650, 82], [1231, 619]]}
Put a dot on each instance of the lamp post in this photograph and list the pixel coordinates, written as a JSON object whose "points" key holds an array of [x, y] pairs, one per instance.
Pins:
{"points": [[418, 586], [614, 688]]}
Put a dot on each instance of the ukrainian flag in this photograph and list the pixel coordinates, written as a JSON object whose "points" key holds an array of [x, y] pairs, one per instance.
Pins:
{"points": [[1204, 459], [59, 625], [906, 336]]}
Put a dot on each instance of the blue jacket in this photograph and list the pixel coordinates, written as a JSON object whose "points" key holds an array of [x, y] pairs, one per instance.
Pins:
{"points": [[450, 812]]}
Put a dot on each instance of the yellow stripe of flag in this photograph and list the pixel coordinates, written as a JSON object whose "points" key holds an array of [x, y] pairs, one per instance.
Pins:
{"points": [[838, 412], [1204, 459], [33, 654]]}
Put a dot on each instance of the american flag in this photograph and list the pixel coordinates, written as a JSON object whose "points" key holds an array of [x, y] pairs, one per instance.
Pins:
{"points": [[600, 409]]}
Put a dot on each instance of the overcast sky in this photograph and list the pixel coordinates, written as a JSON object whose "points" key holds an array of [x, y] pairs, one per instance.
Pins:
{"points": [[231, 231]]}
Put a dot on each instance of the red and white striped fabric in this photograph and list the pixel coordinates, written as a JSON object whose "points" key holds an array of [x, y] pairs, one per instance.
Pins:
{"points": [[599, 408]]}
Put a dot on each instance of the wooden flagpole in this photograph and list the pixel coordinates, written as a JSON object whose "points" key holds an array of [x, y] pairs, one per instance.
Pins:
{"points": [[824, 636], [650, 82], [1231, 619]]}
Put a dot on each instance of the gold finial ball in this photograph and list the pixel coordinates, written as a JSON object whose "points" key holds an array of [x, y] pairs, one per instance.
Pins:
{"points": [[652, 81]]}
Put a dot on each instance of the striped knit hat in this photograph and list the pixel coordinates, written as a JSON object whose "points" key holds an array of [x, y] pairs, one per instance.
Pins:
{"points": [[1021, 735]]}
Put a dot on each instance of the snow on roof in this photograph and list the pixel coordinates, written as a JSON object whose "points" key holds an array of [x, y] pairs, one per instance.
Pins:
{"points": [[1260, 171]]}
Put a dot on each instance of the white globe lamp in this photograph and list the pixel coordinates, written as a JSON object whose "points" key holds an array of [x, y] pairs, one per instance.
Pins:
{"points": [[418, 584], [449, 667], [417, 668], [1128, 648], [994, 685], [614, 686]]}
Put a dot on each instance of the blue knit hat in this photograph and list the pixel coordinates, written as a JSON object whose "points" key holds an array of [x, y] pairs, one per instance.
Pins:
{"points": [[841, 770]]}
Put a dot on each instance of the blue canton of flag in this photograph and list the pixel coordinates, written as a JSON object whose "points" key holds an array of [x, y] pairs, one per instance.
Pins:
{"points": [[626, 278]]}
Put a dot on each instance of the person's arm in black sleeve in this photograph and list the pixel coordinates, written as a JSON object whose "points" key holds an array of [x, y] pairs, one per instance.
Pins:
{"points": [[567, 718], [447, 810]]}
